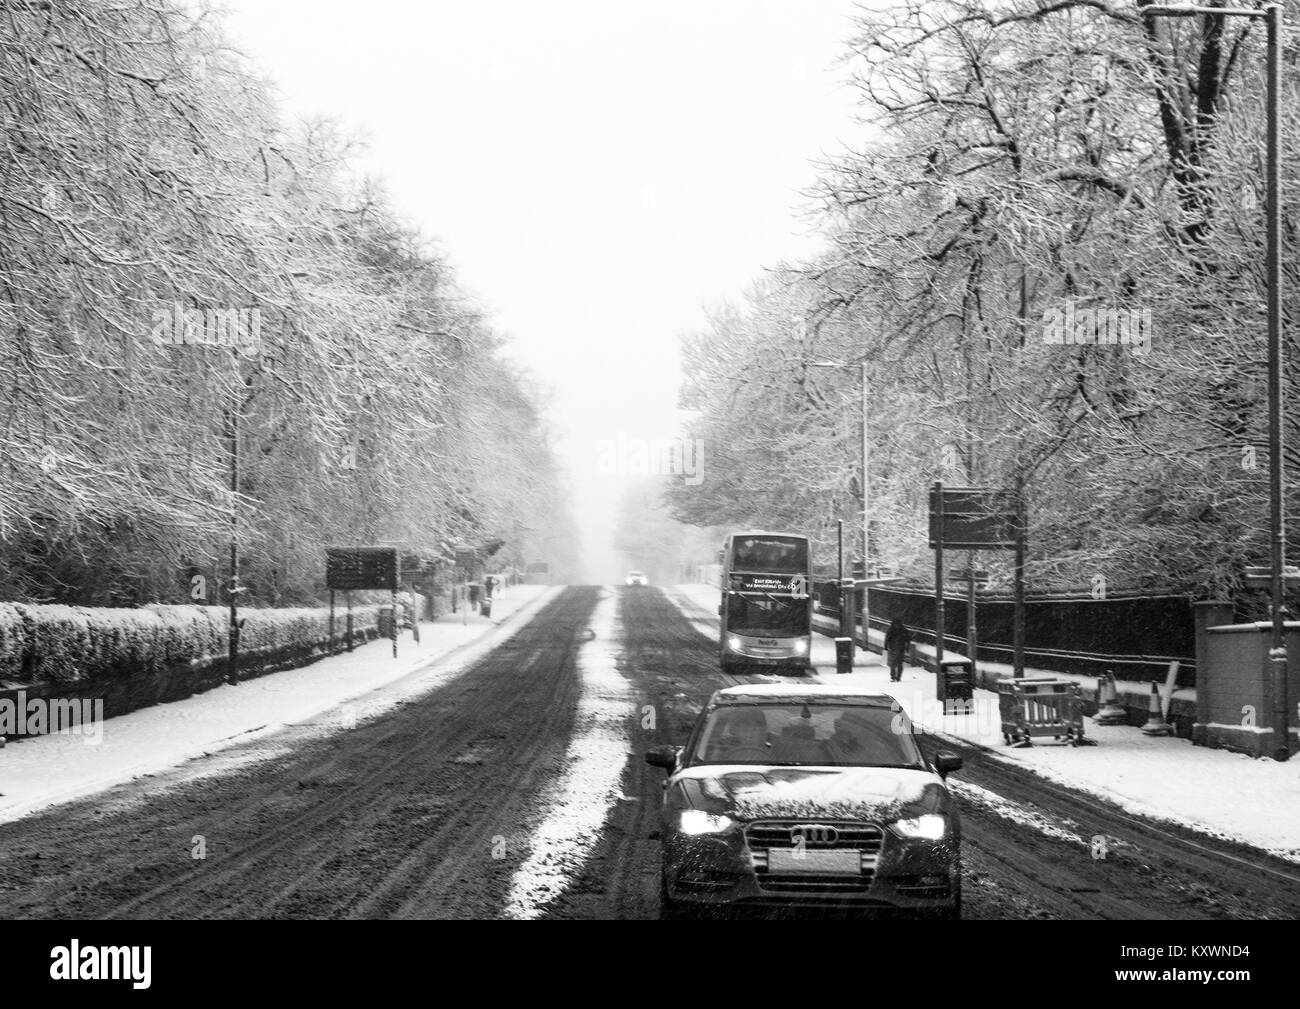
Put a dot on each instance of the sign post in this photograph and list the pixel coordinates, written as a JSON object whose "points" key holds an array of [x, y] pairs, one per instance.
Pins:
{"points": [[411, 566], [1018, 606], [350, 568], [972, 640], [972, 519], [936, 522]]}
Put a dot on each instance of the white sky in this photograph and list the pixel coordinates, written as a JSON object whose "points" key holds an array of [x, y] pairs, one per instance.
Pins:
{"points": [[598, 172]]}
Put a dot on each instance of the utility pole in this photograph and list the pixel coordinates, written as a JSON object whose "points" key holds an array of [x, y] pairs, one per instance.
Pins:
{"points": [[1272, 15], [866, 515], [232, 435], [1277, 653]]}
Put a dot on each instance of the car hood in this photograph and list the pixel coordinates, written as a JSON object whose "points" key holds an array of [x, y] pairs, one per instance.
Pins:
{"points": [[750, 792]]}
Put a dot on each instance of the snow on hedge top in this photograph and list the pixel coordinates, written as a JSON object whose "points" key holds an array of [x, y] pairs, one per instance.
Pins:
{"points": [[76, 644]]}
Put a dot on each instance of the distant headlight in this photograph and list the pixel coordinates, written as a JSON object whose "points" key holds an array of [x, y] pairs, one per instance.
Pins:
{"points": [[697, 821], [733, 643], [801, 647], [930, 826]]}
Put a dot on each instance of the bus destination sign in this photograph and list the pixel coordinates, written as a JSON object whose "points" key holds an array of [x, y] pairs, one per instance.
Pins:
{"points": [[795, 586]]}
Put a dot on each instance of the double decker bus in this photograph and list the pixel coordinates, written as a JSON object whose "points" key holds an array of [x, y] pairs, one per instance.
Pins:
{"points": [[767, 601]]}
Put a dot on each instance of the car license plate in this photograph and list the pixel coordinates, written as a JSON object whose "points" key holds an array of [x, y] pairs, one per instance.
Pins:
{"points": [[846, 862]]}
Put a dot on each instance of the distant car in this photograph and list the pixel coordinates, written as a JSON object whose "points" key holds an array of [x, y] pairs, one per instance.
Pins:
{"points": [[636, 578], [807, 796]]}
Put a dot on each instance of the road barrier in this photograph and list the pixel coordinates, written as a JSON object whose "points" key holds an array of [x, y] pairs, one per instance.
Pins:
{"points": [[1041, 706]]}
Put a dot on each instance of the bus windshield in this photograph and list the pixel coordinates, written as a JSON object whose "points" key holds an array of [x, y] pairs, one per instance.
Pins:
{"points": [[775, 554]]}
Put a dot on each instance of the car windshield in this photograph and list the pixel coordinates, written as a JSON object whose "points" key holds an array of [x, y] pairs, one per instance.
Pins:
{"points": [[766, 615], [831, 734]]}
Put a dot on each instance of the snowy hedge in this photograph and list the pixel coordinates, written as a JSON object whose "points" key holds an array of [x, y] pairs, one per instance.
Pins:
{"points": [[81, 644]]}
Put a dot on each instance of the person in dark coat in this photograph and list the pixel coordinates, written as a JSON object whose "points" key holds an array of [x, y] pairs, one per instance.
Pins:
{"points": [[897, 638]]}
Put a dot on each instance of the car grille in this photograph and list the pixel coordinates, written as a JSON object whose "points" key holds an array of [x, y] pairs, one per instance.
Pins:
{"points": [[765, 835]]}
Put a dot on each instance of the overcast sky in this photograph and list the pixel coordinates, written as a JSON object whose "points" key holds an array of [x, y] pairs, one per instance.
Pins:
{"points": [[598, 171]]}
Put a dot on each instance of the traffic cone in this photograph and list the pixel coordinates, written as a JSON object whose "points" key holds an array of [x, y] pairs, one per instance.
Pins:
{"points": [[1108, 710], [1156, 724]]}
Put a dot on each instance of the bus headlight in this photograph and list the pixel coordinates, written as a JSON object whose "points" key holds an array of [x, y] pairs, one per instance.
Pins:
{"points": [[801, 646], [733, 643]]}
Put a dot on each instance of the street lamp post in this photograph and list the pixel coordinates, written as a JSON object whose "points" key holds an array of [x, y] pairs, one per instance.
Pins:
{"points": [[1272, 15], [866, 488]]}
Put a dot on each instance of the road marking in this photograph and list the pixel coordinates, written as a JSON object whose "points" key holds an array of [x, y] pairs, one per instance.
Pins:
{"points": [[592, 783]]}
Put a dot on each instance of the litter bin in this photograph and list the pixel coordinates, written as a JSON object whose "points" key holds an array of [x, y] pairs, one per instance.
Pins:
{"points": [[844, 655], [475, 593], [486, 607], [954, 682], [386, 629]]}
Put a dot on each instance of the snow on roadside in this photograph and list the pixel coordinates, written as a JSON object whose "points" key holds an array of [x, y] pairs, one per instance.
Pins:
{"points": [[351, 687], [597, 754], [1016, 812]]}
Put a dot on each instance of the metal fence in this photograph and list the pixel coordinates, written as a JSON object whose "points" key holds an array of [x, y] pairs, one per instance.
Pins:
{"points": [[1135, 636]]}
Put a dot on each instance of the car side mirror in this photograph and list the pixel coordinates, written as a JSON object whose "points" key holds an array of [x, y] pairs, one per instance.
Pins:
{"points": [[945, 762], [663, 756]]}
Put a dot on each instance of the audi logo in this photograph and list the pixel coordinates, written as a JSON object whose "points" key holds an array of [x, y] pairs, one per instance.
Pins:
{"points": [[814, 833]]}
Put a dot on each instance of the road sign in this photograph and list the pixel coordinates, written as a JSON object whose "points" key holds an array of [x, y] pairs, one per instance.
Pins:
{"points": [[973, 518], [1262, 578], [349, 568]]}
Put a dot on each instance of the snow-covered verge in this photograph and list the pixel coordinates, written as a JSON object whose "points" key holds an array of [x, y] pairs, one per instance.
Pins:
{"points": [[67, 645], [1254, 801], [44, 770]]}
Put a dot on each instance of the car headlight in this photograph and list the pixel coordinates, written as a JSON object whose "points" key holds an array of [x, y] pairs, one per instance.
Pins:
{"points": [[697, 821], [733, 643], [801, 647], [930, 826]]}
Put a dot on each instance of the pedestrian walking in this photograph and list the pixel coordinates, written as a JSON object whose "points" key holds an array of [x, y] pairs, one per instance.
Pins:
{"points": [[897, 638]]}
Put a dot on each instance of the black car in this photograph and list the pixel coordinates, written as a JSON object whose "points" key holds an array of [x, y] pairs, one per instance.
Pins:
{"points": [[807, 796]]}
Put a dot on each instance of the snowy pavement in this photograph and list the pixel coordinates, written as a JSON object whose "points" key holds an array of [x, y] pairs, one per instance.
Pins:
{"points": [[1230, 795], [45, 770]]}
